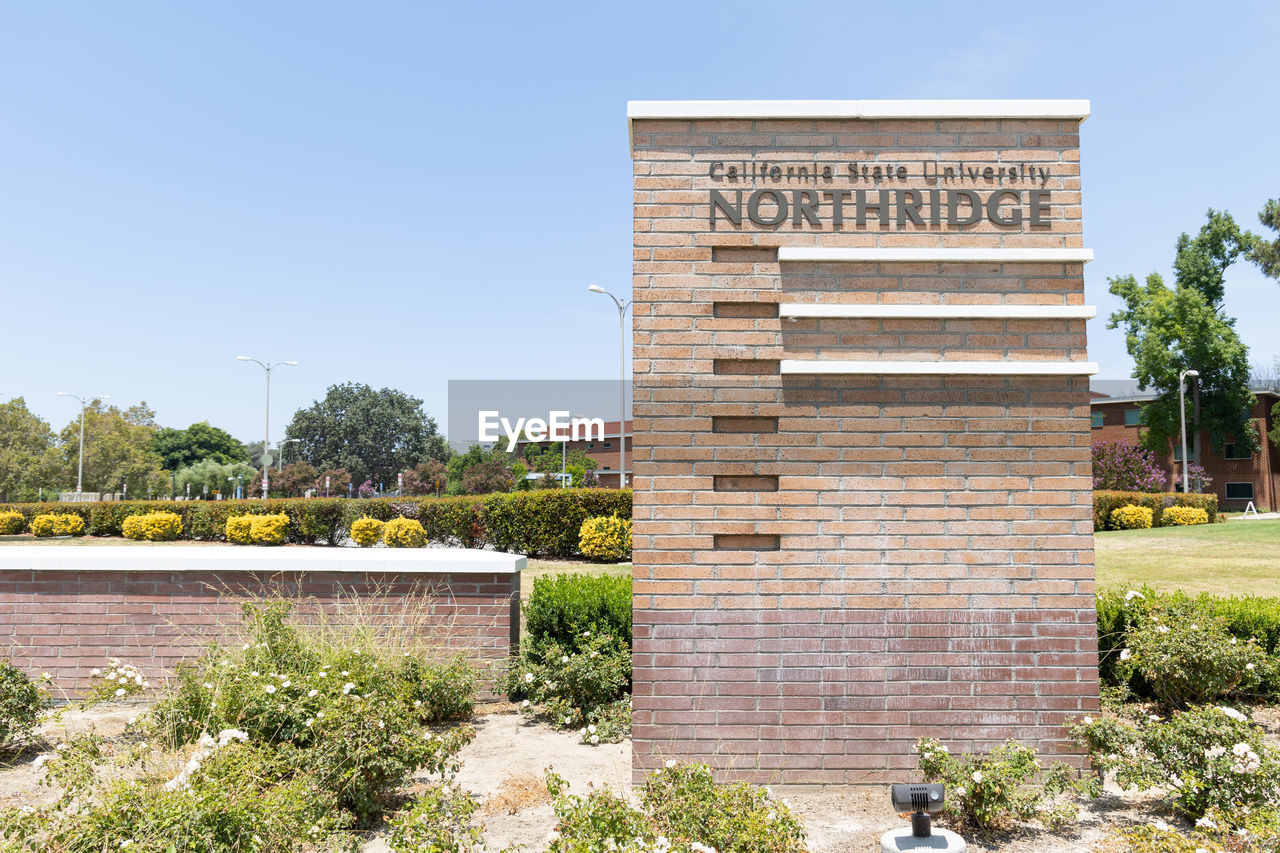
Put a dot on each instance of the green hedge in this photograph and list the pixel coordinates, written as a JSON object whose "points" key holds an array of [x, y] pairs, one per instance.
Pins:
{"points": [[542, 522], [563, 606], [1104, 503], [1246, 617]]}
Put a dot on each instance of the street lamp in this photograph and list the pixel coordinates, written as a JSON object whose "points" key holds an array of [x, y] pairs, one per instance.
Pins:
{"points": [[267, 367], [280, 462], [622, 381], [80, 468], [1182, 412]]}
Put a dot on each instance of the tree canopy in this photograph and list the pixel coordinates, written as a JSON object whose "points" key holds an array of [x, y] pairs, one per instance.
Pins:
{"points": [[117, 449], [1169, 330], [29, 460], [179, 448], [373, 434], [1266, 253]]}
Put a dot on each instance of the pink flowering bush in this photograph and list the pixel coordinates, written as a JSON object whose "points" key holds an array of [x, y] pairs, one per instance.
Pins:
{"points": [[1119, 466]]}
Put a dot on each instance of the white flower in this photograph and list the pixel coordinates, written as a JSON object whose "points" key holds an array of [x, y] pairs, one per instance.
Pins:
{"points": [[227, 735], [977, 775], [1162, 629], [1234, 641], [591, 729], [132, 720], [323, 674], [285, 683], [528, 678], [1249, 667], [311, 694], [254, 674], [123, 680], [568, 721], [1195, 627], [417, 703], [1206, 823], [208, 686], [381, 724], [355, 651], [270, 688], [345, 673], [595, 739], [959, 792], [1215, 752], [1161, 825], [95, 672], [524, 704], [348, 687], [310, 722], [671, 762], [1232, 713], [1125, 654], [120, 692], [1087, 721], [1242, 832], [245, 647], [564, 659], [1132, 594]]}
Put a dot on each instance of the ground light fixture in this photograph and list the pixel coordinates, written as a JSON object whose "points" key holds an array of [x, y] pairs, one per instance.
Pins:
{"points": [[80, 467], [1182, 413], [623, 305], [920, 801], [267, 367]]}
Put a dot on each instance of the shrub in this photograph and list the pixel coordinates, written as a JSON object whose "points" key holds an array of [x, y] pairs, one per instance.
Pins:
{"points": [[1007, 784], [57, 524], [1131, 518], [606, 538], [566, 608], [119, 681], [441, 821], [239, 529], [20, 702], [268, 529], [404, 533], [574, 686], [1188, 657], [153, 527], [1120, 466], [366, 532], [1105, 502], [1178, 516], [1208, 757], [12, 523], [548, 521]]}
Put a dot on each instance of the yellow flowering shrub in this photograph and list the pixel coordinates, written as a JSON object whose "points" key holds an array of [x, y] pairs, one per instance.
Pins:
{"points": [[57, 524], [1180, 516], [404, 533], [366, 532], [153, 527], [1131, 518], [239, 528], [269, 529], [11, 523], [605, 537]]}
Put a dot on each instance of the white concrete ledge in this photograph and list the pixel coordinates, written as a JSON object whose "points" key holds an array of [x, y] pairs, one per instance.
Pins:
{"points": [[249, 558], [865, 109], [939, 368], [938, 254], [938, 312]]}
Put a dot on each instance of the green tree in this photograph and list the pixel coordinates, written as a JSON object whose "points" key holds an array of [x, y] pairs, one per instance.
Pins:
{"points": [[373, 434], [179, 448], [1266, 253], [495, 462], [29, 459], [218, 477], [118, 448], [1169, 330]]}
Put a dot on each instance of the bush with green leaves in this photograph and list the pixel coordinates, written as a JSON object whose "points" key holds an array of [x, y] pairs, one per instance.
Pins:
{"points": [[1204, 758], [564, 609], [12, 523], [684, 810], [575, 688], [1005, 785], [1188, 657], [153, 527], [57, 524], [21, 701], [440, 821], [404, 533]]}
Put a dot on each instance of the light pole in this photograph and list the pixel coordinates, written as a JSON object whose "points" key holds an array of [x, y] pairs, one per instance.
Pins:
{"points": [[80, 468], [280, 461], [1182, 413], [267, 367], [622, 381]]}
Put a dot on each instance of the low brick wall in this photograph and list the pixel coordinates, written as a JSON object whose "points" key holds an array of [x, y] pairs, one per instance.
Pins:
{"points": [[64, 610]]}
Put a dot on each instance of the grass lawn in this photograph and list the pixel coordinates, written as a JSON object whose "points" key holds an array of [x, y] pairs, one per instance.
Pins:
{"points": [[1235, 558]]}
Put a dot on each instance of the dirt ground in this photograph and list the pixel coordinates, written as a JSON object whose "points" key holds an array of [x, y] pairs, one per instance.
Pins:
{"points": [[504, 767]]}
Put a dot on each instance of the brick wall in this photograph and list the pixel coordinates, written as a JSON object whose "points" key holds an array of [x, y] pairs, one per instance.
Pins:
{"points": [[68, 622], [829, 567]]}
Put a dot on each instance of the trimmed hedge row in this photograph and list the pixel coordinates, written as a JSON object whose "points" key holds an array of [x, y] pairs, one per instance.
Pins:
{"points": [[1105, 502], [543, 522]]}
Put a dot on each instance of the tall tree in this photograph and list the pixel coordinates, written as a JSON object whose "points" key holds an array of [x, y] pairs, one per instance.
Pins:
{"points": [[374, 435], [179, 448], [1266, 253], [29, 460], [1169, 330], [117, 449]]}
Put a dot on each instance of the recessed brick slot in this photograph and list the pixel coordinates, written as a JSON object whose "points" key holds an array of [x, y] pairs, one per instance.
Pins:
{"points": [[747, 366], [744, 255], [747, 542], [751, 424], [746, 310], [746, 483]]}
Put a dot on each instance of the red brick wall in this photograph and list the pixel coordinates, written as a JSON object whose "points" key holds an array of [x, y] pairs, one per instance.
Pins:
{"points": [[69, 622], [827, 569]]}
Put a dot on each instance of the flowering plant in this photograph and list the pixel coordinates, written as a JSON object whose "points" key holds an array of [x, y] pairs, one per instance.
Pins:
{"points": [[20, 702], [575, 688], [1122, 467], [1187, 656]]}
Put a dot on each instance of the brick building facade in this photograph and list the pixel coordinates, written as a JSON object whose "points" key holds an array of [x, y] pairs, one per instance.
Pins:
{"points": [[1237, 477], [862, 508]]}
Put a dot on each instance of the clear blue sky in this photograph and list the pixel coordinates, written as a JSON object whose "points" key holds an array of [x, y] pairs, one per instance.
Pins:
{"points": [[405, 193]]}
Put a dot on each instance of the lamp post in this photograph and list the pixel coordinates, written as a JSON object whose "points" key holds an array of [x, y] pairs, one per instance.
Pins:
{"points": [[1182, 413], [267, 367], [280, 461], [622, 381], [80, 468]]}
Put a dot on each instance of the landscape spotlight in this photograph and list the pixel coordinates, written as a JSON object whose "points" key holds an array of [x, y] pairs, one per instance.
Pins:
{"points": [[921, 801]]}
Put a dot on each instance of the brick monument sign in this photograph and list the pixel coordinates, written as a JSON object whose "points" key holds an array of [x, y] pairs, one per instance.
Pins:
{"points": [[862, 476]]}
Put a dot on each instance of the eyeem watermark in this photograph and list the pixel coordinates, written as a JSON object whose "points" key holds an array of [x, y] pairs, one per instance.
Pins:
{"points": [[558, 426]]}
